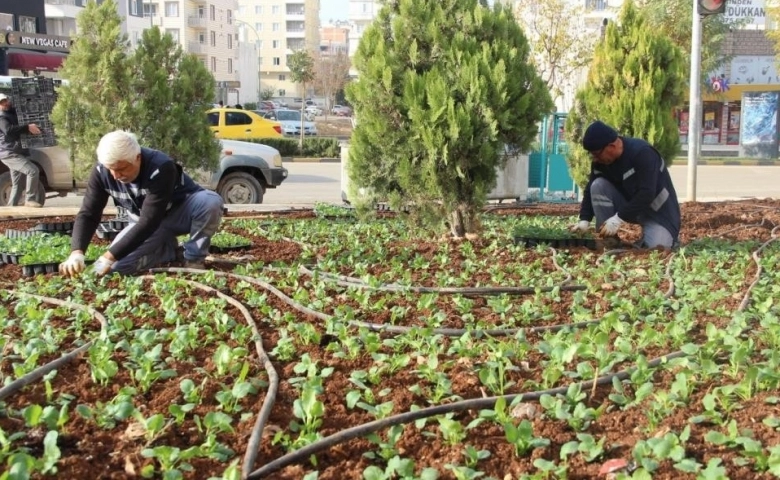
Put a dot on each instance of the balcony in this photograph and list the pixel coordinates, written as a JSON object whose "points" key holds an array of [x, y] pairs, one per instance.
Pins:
{"points": [[63, 8], [197, 48], [298, 33], [199, 23], [596, 5], [200, 2]]}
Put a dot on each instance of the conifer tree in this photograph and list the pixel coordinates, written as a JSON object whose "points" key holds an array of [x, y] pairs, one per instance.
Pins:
{"points": [[158, 92], [444, 86], [173, 90], [634, 82], [97, 98]]}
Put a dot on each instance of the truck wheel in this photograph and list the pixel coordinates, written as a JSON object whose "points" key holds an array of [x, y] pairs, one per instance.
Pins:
{"points": [[5, 190], [240, 187]]}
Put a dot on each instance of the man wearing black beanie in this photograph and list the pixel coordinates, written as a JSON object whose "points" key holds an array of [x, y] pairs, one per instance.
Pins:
{"points": [[629, 182]]}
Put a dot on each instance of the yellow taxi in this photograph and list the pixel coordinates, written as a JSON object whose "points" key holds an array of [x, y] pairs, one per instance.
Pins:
{"points": [[237, 124]]}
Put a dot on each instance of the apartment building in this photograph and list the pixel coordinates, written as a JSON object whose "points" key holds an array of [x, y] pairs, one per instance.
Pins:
{"points": [[279, 28], [361, 14], [334, 39], [61, 17], [206, 29]]}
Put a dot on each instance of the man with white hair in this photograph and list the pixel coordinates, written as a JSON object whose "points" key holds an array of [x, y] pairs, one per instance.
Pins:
{"points": [[162, 202], [13, 156]]}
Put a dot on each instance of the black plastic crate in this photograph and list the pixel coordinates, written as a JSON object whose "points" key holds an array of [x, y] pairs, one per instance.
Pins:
{"points": [[32, 87], [45, 139]]}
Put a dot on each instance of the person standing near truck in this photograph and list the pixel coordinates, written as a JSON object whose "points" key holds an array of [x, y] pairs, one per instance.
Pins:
{"points": [[13, 155]]}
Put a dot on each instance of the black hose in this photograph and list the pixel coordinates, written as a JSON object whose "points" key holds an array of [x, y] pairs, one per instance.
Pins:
{"points": [[253, 446]]}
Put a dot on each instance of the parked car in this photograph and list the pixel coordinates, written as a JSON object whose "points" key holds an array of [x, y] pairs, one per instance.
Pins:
{"points": [[240, 124], [313, 110], [291, 122], [246, 170], [341, 111]]}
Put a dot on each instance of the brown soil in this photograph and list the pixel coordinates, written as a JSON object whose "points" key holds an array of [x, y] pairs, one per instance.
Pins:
{"points": [[89, 451]]}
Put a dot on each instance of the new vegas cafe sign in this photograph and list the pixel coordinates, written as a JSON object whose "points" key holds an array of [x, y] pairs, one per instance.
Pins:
{"points": [[35, 41]]}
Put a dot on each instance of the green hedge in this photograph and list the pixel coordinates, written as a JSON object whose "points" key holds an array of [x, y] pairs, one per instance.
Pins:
{"points": [[318, 147]]}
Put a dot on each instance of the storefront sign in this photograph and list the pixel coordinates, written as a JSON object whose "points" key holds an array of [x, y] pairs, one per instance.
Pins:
{"points": [[754, 11], [35, 41], [754, 69]]}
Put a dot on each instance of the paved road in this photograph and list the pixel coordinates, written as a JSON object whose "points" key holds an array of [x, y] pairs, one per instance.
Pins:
{"points": [[321, 182]]}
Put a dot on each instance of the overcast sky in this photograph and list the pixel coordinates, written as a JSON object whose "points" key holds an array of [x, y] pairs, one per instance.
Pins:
{"points": [[333, 9]]}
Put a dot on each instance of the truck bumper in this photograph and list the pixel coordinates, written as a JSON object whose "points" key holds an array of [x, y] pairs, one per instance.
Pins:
{"points": [[278, 175]]}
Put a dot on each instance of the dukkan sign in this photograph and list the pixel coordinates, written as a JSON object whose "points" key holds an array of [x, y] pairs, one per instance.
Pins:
{"points": [[35, 41]]}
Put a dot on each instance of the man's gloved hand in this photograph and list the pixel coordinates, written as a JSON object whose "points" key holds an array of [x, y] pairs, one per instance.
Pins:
{"points": [[580, 227], [611, 226], [102, 266], [73, 265]]}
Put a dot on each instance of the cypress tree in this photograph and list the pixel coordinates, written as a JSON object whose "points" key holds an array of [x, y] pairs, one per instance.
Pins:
{"points": [[172, 92], [97, 98], [158, 92], [443, 87], [634, 82]]}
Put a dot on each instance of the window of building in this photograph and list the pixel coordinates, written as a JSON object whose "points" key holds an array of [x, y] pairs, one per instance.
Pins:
{"points": [[201, 38], [365, 7], [230, 65], [201, 12], [212, 12], [275, 27], [213, 36], [213, 64], [282, 78], [150, 9], [174, 33], [171, 9], [6, 22], [277, 61], [27, 24], [259, 27], [134, 7], [275, 10], [282, 92], [258, 9], [230, 17], [275, 44], [230, 42]]}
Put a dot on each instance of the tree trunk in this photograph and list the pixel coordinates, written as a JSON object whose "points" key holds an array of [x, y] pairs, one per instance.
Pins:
{"points": [[463, 222], [303, 117]]}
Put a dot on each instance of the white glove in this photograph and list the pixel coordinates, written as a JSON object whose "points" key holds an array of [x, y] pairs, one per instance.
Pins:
{"points": [[580, 227], [73, 265], [611, 226], [102, 266]]}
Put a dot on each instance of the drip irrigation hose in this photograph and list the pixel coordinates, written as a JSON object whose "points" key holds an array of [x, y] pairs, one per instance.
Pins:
{"points": [[466, 291], [471, 404], [377, 327], [41, 371], [746, 299], [253, 446]]}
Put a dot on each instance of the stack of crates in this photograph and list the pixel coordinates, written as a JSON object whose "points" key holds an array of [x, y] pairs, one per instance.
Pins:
{"points": [[34, 101]]}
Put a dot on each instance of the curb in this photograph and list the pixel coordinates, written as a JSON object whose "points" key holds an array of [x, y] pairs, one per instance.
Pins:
{"points": [[310, 160], [736, 163]]}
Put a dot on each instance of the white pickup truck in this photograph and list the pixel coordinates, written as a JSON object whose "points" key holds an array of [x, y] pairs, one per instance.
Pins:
{"points": [[246, 170]]}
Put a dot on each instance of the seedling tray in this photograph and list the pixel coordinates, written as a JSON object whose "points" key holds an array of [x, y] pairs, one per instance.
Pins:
{"points": [[228, 248], [116, 223], [105, 231], [530, 242], [11, 233], [11, 258], [58, 227], [39, 268]]}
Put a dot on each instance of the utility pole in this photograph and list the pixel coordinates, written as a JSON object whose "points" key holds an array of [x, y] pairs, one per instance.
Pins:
{"points": [[694, 103]]}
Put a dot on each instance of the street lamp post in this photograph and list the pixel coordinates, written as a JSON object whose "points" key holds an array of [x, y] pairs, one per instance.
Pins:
{"points": [[242, 23]]}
